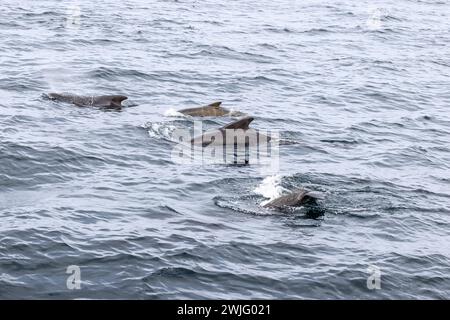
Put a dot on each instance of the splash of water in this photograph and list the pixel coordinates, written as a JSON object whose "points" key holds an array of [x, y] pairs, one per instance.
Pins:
{"points": [[270, 188], [174, 113], [160, 130]]}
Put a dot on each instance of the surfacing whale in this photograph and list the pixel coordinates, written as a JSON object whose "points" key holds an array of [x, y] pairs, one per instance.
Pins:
{"points": [[212, 110], [296, 198], [238, 133], [106, 101]]}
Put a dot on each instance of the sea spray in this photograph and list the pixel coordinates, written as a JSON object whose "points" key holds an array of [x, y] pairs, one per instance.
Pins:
{"points": [[270, 188]]}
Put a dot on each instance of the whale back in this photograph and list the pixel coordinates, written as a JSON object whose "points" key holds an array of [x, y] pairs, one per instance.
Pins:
{"points": [[213, 109], [104, 101], [109, 101], [294, 199], [218, 136], [242, 123]]}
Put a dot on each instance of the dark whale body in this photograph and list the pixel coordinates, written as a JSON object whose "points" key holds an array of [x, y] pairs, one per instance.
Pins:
{"points": [[212, 110], [296, 198], [218, 136], [106, 101]]}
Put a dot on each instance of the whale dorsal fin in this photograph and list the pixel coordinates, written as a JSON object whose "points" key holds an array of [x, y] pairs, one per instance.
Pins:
{"points": [[215, 104], [239, 124]]}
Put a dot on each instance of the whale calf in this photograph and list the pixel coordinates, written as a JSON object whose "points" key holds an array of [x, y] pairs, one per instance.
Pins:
{"points": [[296, 198], [238, 133], [106, 101], [212, 110]]}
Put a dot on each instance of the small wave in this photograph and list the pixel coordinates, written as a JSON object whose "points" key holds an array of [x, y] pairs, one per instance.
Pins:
{"points": [[110, 73], [41, 14], [342, 141], [278, 29], [316, 30], [243, 205]]}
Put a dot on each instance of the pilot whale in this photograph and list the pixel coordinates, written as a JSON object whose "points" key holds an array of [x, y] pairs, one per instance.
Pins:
{"points": [[238, 133], [212, 110], [296, 198], [106, 101]]}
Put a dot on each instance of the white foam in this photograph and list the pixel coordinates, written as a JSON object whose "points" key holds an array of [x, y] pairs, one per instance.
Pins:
{"points": [[173, 113], [235, 113], [270, 188], [160, 130]]}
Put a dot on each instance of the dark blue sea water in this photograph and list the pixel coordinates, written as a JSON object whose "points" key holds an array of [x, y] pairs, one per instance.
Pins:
{"points": [[363, 86]]}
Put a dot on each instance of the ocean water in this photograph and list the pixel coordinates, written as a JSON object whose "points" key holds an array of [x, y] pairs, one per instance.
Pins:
{"points": [[362, 86]]}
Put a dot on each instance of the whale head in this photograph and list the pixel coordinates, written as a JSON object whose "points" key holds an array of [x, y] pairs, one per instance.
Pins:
{"points": [[116, 101], [108, 101]]}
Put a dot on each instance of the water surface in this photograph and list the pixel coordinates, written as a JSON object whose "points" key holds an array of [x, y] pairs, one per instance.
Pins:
{"points": [[364, 88]]}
